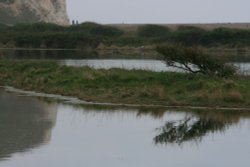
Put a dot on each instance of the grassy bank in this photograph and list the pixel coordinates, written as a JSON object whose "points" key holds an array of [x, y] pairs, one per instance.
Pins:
{"points": [[122, 86]]}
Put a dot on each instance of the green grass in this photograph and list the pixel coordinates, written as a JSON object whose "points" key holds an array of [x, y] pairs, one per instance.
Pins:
{"points": [[123, 86]]}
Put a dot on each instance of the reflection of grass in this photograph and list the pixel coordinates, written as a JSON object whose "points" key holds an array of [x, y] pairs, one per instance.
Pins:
{"points": [[123, 86]]}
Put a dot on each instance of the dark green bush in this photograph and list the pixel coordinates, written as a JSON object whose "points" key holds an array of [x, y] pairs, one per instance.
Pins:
{"points": [[152, 31], [47, 35], [195, 61], [96, 29]]}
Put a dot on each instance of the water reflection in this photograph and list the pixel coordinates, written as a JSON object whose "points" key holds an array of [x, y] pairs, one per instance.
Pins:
{"points": [[97, 60], [25, 123], [129, 64], [57, 54], [188, 126], [95, 135], [46, 54], [195, 126]]}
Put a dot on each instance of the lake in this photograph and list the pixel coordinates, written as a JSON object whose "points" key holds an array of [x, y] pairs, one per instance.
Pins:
{"points": [[39, 131], [139, 62]]}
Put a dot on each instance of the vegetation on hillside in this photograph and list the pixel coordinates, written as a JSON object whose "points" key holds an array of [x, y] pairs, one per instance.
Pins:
{"points": [[46, 35], [90, 35], [152, 31]]}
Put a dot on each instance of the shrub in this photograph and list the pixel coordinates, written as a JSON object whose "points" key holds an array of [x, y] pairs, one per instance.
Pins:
{"points": [[194, 60], [152, 31], [188, 35], [95, 29]]}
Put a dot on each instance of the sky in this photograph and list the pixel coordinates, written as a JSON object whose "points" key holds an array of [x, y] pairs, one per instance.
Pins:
{"points": [[159, 11]]}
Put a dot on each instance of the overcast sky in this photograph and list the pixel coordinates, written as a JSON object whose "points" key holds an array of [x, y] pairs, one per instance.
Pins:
{"points": [[159, 11]]}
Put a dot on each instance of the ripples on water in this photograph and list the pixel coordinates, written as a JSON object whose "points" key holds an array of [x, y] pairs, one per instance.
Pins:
{"points": [[42, 132]]}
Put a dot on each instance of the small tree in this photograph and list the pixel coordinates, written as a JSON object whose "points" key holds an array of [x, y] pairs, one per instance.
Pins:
{"points": [[194, 60]]}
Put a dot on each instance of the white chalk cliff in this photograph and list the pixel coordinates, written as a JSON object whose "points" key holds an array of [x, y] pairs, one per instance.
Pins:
{"points": [[28, 11]]}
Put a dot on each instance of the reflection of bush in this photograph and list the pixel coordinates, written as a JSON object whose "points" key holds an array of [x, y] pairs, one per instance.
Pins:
{"points": [[194, 128], [188, 129], [47, 54], [25, 124]]}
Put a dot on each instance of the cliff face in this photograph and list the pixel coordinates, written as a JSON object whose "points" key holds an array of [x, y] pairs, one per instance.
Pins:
{"points": [[28, 11]]}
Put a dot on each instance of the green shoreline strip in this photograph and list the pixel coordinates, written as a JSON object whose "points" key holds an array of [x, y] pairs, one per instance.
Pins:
{"points": [[126, 86]]}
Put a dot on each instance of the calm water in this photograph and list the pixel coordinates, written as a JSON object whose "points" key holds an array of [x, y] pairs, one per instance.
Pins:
{"points": [[138, 64], [79, 58], [130, 64], [41, 132]]}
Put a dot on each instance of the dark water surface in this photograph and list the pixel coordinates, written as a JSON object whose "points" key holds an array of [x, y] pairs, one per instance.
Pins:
{"points": [[38, 132]]}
